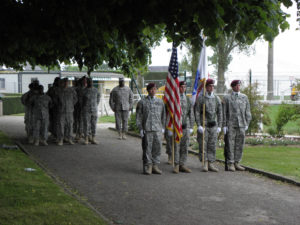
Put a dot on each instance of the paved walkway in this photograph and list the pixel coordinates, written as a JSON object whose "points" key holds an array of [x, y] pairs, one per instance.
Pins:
{"points": [[109, 176]]}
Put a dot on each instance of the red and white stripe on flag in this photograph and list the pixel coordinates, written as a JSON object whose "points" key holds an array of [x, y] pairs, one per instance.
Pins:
{"points": [[172, 97]]}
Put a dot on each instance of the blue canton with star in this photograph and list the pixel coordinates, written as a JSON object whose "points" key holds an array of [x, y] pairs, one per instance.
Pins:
{"points": [[173, 66]]}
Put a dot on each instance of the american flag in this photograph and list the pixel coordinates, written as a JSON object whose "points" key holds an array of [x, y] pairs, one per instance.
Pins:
{"points": [[172, 97]]}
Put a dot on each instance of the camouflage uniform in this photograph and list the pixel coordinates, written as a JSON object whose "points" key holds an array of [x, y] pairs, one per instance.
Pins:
{"points": [[150, 118], [28, 114], [213, 120], [121, 101], [237, 117], [67, 98], [53, 113], [40, 115], [187, 117], [90, 101], [78, 112]]}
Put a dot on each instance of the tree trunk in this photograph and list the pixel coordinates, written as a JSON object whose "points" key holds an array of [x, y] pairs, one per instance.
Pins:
{"points": [[221, 78], [195, 61], [270, 94]]}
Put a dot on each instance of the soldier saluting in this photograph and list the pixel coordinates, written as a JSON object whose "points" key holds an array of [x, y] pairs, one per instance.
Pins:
{"points": [[237, 117]]}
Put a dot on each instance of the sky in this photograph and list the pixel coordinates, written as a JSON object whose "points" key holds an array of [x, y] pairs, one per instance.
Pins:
{"points": [[286, 58]]}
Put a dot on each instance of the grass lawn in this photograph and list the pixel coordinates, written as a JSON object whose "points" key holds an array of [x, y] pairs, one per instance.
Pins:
{"points": [[32, 197], [281, 160], [106, 119], [292, 127]]}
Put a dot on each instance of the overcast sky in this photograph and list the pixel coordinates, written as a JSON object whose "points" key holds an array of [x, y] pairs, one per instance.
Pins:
{"points": [[286, 55]]}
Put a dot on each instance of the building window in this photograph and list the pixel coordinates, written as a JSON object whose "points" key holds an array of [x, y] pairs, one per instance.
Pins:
{"points": [[2, 83]]}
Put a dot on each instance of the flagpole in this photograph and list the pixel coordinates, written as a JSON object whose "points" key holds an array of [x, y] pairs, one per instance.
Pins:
{"points": [[203, 119]]}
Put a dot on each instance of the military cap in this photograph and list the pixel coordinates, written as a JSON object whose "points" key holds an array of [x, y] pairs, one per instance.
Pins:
{"points": [[235, 82], [209, 82], [121, 78], [182, 83], [150, 85]]}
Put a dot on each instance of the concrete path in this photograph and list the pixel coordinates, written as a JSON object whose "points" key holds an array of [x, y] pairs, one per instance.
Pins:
{"points": [[110, 176]]}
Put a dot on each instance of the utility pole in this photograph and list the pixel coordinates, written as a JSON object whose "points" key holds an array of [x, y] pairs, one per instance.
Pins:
{"points": [[270, 93]]}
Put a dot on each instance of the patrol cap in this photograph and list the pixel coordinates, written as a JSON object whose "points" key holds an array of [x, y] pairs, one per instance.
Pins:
{"points": [[235, 82], [182, 83], [121, 78], [150, 85], [209, 82]]}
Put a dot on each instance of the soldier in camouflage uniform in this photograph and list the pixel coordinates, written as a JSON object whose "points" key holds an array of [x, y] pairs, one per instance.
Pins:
{"points": [[78, 113], [67, 98], [212, 126], [121, 101], [237, 117], [28, 111], [90, 101], [150, 119], [41, 104], [187, 118]]}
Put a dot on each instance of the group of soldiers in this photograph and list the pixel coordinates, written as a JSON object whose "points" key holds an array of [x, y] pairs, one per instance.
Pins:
{"points": [[62, 111], [232, 114]]}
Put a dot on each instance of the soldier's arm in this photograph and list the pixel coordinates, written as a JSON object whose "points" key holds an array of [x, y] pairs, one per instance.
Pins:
{"points": [[163, 116], [219, 112], [130, 99], [190, 112], [224, 109], [197, 111], [75, 98], [98, 97], [111, 100], [139, 115], [248, 112]]}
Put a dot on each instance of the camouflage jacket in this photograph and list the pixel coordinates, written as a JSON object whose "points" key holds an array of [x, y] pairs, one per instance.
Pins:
{"points": [[213, 110], [121, 98], [150, 114], [187, 116], [236, 110], [67, 98], [90, 100], [40, 106]]}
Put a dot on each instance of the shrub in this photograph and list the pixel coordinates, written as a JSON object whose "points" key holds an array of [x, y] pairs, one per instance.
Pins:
{"points": [[285, 114], [12, 105], [132, 124]]}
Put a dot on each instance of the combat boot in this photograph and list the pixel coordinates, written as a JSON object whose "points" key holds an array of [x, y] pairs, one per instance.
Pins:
{"points": [[36, 142], [176, 169], [239, 167], [231, 167], [86, 140], [156, 170], [184, 169], [205, 167], [30, 140], [94, 141], [70, 141], [170, 160], [120, 135], [148, 169], [77, 138], [124, 136], [44, 142], [212, 168], [60, 142]]}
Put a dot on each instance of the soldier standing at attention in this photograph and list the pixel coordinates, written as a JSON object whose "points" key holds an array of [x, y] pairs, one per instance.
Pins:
{"points": [[67, 99], [121, 101], [41, 104], [181, 149], [90, 101], [213, 124], [150, 119], [237, 117]]}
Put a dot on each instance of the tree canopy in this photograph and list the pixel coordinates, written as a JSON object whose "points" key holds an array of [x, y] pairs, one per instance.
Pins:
{"points": [[122, 32]]}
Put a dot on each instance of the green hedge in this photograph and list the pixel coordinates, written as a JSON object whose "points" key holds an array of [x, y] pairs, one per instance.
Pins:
{"points": [[12, 105]]}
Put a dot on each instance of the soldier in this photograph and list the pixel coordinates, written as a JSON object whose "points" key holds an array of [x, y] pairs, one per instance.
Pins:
{"points": [[67, 98], [53, 113], [78, 114], [213, 124], [150, 119], [121, 101], [41, 104], [90, 101], [237, 117], [181, 149]]}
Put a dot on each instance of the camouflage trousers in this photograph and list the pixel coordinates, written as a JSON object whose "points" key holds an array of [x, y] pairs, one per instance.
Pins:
{"points": [[78, 121], [40, 129], [210, 143], [180, 149], [65, 125], [28, 121], [151, 144], [236, 140], [89, 123], [122, 120]]}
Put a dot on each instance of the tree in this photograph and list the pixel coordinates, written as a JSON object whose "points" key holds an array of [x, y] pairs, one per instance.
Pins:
{"points": [[120, 32], [223, 55]]}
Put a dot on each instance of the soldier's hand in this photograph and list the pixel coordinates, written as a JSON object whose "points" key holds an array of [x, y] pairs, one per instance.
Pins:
{"points": [[219, 130], [200, 129], [163, 131], [246, 128], [142, 133], [191, 131], [225, 129], [170, 133]]}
